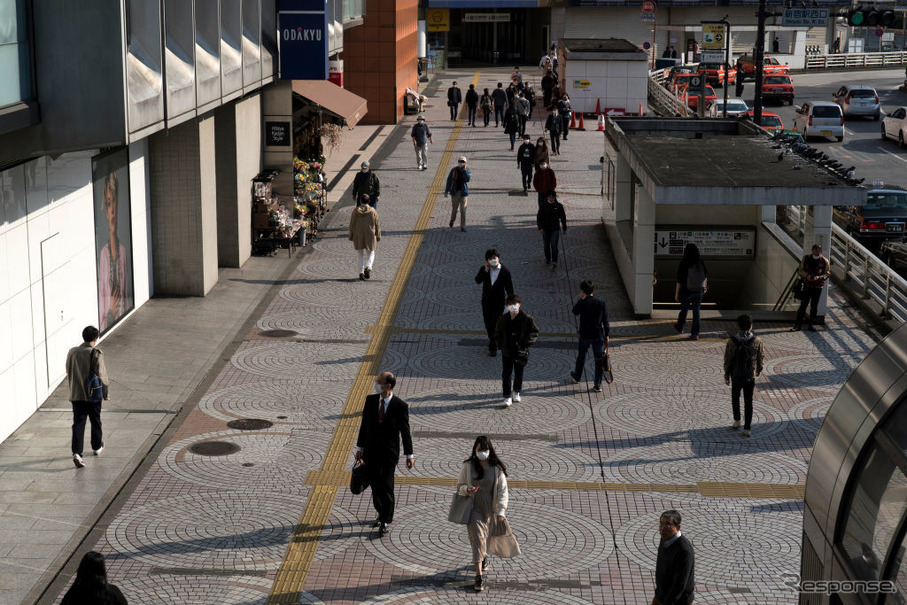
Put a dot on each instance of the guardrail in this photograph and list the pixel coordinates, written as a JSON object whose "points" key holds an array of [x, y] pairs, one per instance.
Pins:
{"points": [[861, 271], [662, 100], [856, 60]]}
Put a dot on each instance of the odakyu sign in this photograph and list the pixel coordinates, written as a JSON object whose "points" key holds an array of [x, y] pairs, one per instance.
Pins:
{"points": [[303, 36]]}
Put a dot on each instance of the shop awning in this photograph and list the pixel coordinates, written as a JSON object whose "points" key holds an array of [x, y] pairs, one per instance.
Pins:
{"points": [[333, 99]]}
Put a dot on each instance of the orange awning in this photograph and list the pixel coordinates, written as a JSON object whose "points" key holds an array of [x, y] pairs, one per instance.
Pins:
{"points": [[333, 99]]}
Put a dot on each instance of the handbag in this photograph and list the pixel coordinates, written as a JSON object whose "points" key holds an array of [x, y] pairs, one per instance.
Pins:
{"points": [[501, 528], [359, 478], [460, 508], [521, 358], [798, 289], [605, 363]]}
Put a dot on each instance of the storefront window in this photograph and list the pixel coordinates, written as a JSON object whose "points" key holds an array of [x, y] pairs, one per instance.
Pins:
{"points": [[877, 501], [15, 77]]}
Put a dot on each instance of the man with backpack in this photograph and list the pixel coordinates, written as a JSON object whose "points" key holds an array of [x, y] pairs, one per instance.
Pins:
{"points": [[744, 357], [88, 384]]}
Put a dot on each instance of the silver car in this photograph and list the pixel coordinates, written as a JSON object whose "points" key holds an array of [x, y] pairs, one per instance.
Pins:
{"points": [[820, 118], [735, 107], [858, 100]]}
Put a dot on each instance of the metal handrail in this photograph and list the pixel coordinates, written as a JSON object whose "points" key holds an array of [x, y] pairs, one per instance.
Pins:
{"points": [[861, 271], [662, 100], [855, 60]]}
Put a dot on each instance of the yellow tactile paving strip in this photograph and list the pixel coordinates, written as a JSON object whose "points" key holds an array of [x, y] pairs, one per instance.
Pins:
{"points": [[374, 329], [304, 541], [341, 479]]}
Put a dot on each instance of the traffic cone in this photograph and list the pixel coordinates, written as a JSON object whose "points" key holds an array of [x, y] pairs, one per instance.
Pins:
{"points": [[598, 106], [572, 120], [601, 122], [582, 122]]}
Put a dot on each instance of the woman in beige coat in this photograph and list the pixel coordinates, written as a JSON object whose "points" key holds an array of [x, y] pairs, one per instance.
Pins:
{"points": [[483, 478], [365, 233]]}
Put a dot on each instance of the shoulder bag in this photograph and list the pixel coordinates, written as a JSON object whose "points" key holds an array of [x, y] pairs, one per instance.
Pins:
{"points": [[605, 363], [460, 508], [93, 385]]}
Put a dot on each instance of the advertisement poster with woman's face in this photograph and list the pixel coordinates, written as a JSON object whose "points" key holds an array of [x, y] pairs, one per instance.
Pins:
{"points": [[113, 236]]}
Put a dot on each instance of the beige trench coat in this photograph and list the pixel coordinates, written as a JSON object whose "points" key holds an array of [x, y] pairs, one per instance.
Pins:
{"points": [[365, 232]]}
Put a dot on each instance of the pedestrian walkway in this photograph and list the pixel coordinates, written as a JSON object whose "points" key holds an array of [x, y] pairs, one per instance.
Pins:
{"points": [[245, 500]]}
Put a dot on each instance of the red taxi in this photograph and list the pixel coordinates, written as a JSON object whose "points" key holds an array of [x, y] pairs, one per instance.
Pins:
{"points": [[714, 73], [778, 88], [693, 99], [746, 67], [770, 121]]}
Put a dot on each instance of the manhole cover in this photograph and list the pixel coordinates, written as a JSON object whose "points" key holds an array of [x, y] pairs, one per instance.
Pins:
{"points": [[250, 424], [214, 448], [277, 333]]}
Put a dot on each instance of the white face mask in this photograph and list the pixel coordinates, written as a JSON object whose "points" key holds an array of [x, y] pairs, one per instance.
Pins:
{"points": [[462, 164], [494, 262], [816, 256], [543, 165], [483, 455], [377, 388], [513, 308], [364, 169]]}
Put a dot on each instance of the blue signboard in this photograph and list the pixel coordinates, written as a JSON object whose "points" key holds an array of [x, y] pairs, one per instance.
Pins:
{"points": [[302, 27]]}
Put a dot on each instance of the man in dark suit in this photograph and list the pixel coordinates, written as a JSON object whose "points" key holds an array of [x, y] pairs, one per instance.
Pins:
{"points": [[385, 420], [496, 287], [675, 568], [454, 98]]}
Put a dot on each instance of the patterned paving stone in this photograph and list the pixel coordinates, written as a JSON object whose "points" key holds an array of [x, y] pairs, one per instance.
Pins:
{"points": [[314, 323], [683, 365], [526, 459], [272, 461], [818, 373], [812, 410], [288, 360], [707, 415], [301, 406], [670, 463], [464, 298], [422, 595], [545, 534], [166, 589], [465, 410], [545, 364], [228, 531], [730, 540]]}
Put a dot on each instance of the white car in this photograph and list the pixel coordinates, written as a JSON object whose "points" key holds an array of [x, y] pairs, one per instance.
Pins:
{"points": [[735, 108], [894, 126], [820, 118]]}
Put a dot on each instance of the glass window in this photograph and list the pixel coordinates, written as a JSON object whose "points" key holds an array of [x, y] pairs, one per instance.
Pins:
{"points": [[899, 571], [15, 76], [883, 200]]}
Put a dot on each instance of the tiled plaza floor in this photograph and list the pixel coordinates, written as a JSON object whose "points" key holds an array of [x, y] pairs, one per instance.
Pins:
{"points": [[589, 473]]}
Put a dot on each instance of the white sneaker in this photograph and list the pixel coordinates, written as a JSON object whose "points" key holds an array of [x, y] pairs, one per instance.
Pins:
{"points": [[517, 398], [77, 460], [508, 402], [98, 451]]}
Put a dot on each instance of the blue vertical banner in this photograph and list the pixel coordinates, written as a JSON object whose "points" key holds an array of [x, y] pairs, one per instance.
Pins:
{"points": [[303, 31]]}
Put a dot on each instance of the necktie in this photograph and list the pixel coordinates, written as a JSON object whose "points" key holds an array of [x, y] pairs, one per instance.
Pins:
{"points": [[381, 405]]}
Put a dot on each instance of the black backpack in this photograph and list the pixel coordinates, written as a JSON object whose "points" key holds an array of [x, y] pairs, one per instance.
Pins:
{"points": [[743, 364], [93, 385]]}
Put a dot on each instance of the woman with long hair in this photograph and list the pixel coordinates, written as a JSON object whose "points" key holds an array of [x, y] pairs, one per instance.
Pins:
{"points": [[691, 285], [541, 152], [483, 478], [91, 586]]}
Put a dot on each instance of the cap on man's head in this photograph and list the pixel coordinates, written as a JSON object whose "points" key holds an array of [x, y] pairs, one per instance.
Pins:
{"points": [[462, 158], [365, 164]]}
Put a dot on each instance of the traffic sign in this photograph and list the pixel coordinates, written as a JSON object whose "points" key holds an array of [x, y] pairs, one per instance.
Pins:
{"points": [[712, 56], [646, 46], [696, 82], [648, 6], [804, 17], [879, 32], [713, 35]]}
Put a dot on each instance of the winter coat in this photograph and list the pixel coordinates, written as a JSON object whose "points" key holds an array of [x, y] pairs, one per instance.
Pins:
{"points": [[457, 181], [553, 123], [514, 334], [523, 107], [541, 154], [78, 366], [454, 95], [550, 214], [472, 98], [365, 232], [366, 182], [511, 121], [544, 181], [501, 496], [731, 348]]}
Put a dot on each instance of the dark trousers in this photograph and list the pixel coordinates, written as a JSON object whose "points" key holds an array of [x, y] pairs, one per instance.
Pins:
{"points": [[498, 114], [598, 350], [555, 141], [453, 110], [486, 115], [550, 241], [526, 169], [471, 114], [80, 411], [511, 370], [523, 125], [565, 125], [381, 477], [747, 386], [688, 301], [810, 297], [491, 312], [512, 139]]}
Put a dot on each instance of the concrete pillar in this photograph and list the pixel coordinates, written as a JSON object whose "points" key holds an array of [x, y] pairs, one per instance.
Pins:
{"points": [[184, 209], [643, 253], [623, 191], [277, 106], [238, 134], [769, 214]]}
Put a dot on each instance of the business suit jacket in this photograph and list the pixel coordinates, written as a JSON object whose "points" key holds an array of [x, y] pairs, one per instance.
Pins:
{"points": [[380, 441], [494, 295], [454, 95]]}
